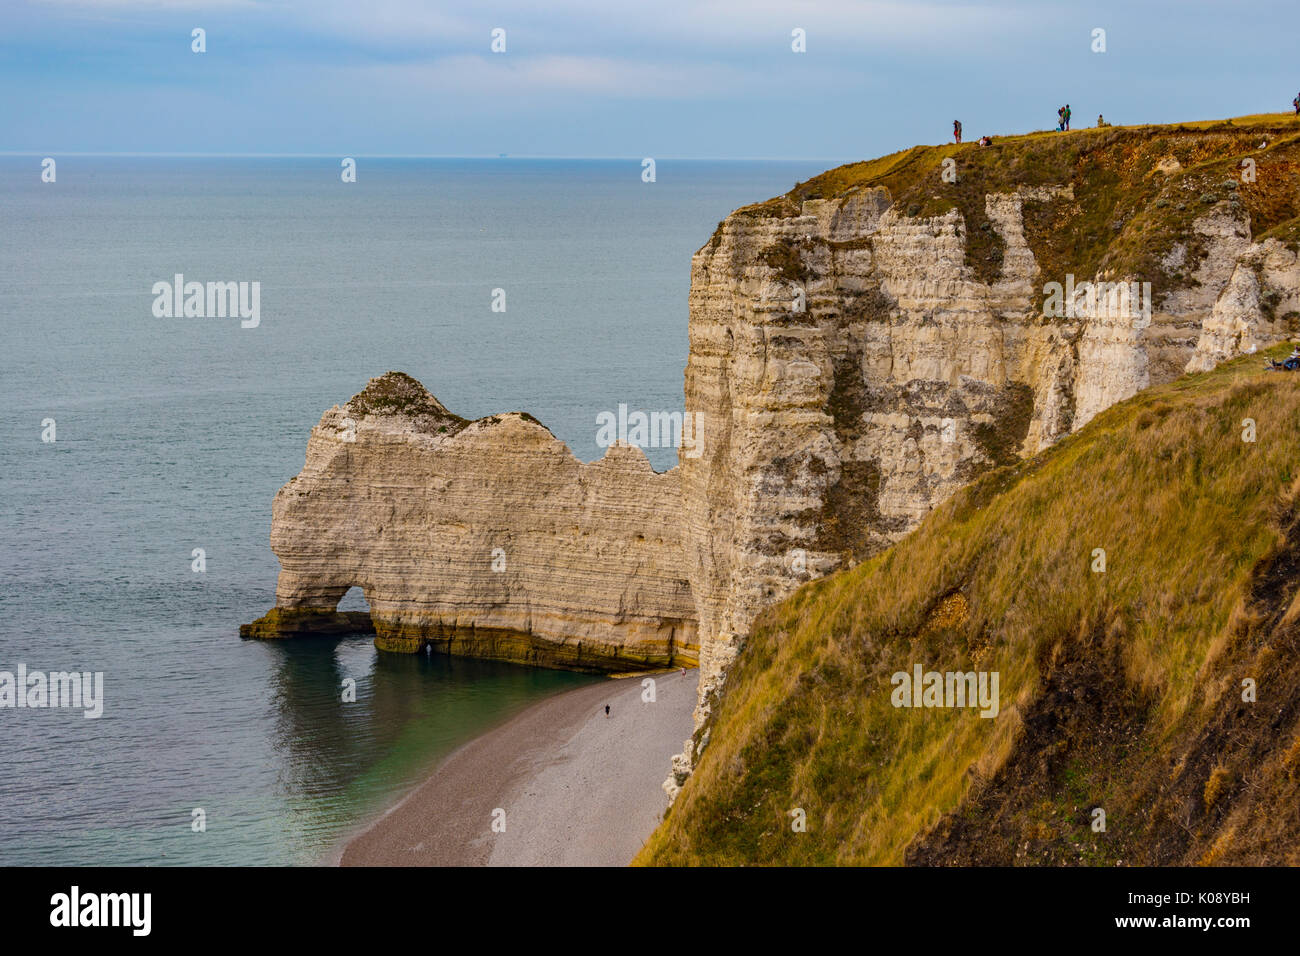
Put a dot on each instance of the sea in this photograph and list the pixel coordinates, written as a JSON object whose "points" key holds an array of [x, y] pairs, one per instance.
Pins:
{"points": [[139, 455]]}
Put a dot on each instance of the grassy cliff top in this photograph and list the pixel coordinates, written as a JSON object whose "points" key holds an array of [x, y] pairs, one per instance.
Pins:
{"points": [[1131, 203], [396, 393], [1119, 689]]}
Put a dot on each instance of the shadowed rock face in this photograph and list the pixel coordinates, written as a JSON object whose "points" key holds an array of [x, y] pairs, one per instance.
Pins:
{"points": [[484, 538]]}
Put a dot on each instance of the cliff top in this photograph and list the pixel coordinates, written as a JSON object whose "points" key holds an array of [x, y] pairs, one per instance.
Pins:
{"points": [[397, 393], [1137, 190]]}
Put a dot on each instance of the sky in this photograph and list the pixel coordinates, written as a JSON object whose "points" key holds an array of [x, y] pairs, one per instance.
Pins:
{"points": [[619, 78]]}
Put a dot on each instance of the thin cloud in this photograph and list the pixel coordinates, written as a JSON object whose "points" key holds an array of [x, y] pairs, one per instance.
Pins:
{"points": [[490, 75]]}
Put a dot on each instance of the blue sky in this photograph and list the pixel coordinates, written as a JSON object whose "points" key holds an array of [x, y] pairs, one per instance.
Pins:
{"points": [[616, 78]]}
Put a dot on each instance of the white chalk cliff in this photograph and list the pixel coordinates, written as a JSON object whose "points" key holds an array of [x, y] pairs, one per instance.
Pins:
{"points": [[859, 349], [853, 369]]}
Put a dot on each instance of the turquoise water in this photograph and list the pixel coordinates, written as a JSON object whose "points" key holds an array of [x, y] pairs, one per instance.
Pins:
{"points": [[174, 434]]}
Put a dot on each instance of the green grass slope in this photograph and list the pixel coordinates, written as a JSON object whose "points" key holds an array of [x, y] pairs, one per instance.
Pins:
{"points": [[1119, 690]]}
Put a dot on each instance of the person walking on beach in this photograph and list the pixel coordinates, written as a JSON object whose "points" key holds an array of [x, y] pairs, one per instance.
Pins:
{"points": [[607, 710], [956, 130], [683, 673]]}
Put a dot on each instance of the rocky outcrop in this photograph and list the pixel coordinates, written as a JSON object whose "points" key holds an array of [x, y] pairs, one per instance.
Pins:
{"points": [[483, 538], [1250, 311]]}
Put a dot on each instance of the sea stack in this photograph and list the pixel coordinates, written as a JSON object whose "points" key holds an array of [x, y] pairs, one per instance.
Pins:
{"points": [[482, 538]]}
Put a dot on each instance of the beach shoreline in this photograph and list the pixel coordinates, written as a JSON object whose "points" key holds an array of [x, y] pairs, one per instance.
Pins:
{"points": [[558, 784]]}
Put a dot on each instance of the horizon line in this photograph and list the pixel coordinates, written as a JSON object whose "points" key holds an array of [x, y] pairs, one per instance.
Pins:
{"points": [[635, 159]]}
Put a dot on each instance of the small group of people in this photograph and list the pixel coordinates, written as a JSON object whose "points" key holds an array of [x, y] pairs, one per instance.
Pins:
{"points": [[956, 135], [1289, 364], [1062, 124]]}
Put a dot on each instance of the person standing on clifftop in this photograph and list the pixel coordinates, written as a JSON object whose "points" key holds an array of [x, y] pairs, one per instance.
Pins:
{"points": [[1296, 103], [1066, 117], [956, 130]]}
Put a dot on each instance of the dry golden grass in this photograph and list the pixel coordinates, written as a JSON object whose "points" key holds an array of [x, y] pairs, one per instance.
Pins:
{"points": [[1186, 511], [1125, 217]]}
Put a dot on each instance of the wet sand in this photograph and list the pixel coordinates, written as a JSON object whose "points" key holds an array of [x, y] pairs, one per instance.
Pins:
{"points": [[577, 788]]}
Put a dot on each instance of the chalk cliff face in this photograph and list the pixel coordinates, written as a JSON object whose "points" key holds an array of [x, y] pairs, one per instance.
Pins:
{"points": [[483, 538], [859, 349], [855, 364]]}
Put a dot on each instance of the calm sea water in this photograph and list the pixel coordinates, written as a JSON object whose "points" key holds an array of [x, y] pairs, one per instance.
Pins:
{"points": [[174, 434]]}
